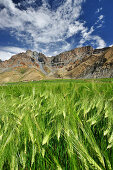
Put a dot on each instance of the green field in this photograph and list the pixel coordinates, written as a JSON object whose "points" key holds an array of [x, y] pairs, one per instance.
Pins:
{"points": [[57, 124]]}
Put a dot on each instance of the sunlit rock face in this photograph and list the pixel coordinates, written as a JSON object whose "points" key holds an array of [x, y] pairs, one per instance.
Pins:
{"points": [[83, 62], [71, 56]]}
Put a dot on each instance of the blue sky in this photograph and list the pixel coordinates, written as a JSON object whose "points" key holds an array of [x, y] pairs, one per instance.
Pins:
{"points": [[54, 26]]}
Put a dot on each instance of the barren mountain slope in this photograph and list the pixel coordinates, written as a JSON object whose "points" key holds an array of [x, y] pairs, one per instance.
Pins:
{"points": [[95, 66], [84, 62]]}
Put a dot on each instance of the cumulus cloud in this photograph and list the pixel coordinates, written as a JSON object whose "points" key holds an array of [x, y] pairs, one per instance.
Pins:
{"points": [[7, 52], [8, 4], [45, 29]]}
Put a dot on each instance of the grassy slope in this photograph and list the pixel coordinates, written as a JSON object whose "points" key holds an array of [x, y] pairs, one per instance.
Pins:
{"points": [[57, 125], [21, 74]]}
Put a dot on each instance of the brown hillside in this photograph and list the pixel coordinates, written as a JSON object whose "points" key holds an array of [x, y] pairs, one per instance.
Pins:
{"points": [[84, 62]]}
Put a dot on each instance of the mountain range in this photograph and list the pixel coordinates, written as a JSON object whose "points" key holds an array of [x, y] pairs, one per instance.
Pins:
{"points": [[84, 62]]}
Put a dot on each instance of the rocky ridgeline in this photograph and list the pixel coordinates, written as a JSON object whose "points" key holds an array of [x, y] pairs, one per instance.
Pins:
{"points": [[30, 58], [71, 56], [97, 65], [83, 62], [21, 59]]}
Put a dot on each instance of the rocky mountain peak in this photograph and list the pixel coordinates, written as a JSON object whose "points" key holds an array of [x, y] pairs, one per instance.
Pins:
{"points": [[29, 53]]}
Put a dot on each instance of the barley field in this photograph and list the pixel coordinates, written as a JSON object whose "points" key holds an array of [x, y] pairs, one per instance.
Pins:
{"points": [[57, 125]]}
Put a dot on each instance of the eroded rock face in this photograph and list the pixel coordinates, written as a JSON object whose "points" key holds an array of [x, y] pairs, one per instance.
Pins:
{"points": [[22, 60], [99, 51], [71, 56], [29, 53], [97, 65], [84, 62]]}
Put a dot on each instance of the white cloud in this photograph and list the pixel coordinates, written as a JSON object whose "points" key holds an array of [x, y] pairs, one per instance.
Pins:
{"points": [[99, 26], [98, 10], [43, 25], [94, 39], [7, 52], [111, 45], [101, 17], [100, 42], [8, 4], [5, 55], [100, 21], [75, 28], [44, 28], [31, 1]]}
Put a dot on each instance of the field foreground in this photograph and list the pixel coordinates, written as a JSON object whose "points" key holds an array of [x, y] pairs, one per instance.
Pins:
{"points": [[64, 125]]}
